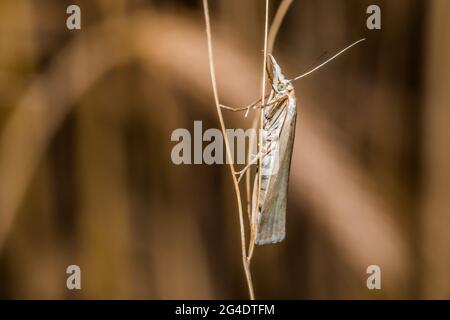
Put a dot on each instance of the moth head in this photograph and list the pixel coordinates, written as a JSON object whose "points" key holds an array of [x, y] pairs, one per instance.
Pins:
{"points": [[280, 84]]}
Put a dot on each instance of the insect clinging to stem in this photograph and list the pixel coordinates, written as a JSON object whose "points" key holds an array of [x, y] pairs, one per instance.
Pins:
{"points": [[270, 187]]}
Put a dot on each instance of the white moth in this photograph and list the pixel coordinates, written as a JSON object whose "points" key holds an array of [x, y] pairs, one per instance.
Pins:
{"points": [[268, 216], [276, 144]]}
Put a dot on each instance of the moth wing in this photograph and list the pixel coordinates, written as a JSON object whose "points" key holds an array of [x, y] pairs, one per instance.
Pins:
{"points": [[272, 219]]}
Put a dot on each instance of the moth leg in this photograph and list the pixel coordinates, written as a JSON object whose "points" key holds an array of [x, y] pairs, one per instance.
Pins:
{"points": [[241, 173], [254, 105], [253, 162], [237, 109]]}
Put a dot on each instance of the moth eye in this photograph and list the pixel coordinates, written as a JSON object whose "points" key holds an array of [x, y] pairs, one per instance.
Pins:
{"points": [[281, 86]]}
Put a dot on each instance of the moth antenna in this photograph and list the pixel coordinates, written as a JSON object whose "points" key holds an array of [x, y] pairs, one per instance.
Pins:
{"points": [[332, 58], [318, 60]]}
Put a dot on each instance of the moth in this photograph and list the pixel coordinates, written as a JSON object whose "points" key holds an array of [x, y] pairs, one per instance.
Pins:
{"points": [[270, 187]]}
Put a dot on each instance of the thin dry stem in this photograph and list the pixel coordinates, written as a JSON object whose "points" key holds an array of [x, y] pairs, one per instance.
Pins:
{"points": [[263, 101], [277, 20], [250, 195], [228, 152]]}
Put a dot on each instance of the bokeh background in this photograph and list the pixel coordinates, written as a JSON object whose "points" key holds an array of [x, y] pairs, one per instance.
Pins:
{"points": [[86, 176]]}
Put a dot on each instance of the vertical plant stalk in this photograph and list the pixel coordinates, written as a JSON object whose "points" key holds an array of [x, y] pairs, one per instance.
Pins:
{"points": [[245, 261], [276, 24], [263, 102]]}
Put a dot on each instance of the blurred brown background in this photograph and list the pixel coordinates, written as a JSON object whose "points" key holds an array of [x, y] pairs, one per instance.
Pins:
{"points": [[86, 176]]}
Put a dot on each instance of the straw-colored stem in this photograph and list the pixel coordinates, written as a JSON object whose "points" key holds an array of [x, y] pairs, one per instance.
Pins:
{"points": [[277, 20], [228, 152], [263, 102]]}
